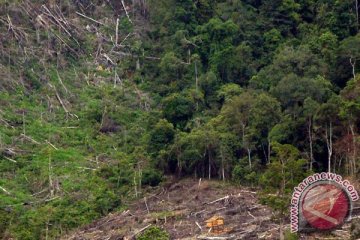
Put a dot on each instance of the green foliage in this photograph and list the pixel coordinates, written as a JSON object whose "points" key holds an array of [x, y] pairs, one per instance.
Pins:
{"points": [[154, 233], [290, 236], [244, 175], [178, 109], [151, 177], [349, 47], [284, 172], [227, 91], [161, 136], [300, 62]]}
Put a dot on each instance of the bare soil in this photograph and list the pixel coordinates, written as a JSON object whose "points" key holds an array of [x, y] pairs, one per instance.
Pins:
{"points": [[182, 208]]}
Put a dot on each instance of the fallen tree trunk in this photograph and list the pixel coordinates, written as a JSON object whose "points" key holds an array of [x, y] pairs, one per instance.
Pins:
{"points": [[216, 238]]}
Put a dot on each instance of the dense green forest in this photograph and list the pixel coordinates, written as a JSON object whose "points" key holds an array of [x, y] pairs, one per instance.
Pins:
{"points": [[99, 99]]}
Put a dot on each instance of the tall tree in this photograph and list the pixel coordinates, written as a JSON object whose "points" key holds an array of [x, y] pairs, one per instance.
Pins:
{"points": [[350, 112], [350, 48], [310, 109], [238, 114], [327, 119]]}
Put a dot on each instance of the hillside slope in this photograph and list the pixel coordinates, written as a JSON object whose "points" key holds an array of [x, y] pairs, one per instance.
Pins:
{"points": [[179, 206], [100, 99]]}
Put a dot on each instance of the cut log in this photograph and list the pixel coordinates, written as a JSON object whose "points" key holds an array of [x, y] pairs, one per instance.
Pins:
{"points": [[126, 12], [198, 226], [218, 200], [30, 139], [140, 231], [82, 15], [11, 160], [4, 190], [216, 238]]}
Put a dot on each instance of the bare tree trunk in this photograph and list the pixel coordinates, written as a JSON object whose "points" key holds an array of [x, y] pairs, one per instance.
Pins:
{"points": [[222, 164], [117, 32], [196, 84], [126, 12], [51, 187], [140, 177], [265, 155], [354, 149], [269, 150], [353, 65], [135, 185], [178, 161], [189, 56], [281, 230], [138, 64], [196, 77], [249, 156], [328, 136], [24, 124], [247, 148], [357, 14], [310, 143], [47, 230], [209, 157], [283, 181], [37, 35]]}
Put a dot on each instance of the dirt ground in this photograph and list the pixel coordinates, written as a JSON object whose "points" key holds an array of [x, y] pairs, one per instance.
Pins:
{"points": [[182, 207]]}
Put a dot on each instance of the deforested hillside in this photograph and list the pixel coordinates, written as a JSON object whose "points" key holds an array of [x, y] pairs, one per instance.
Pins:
{"points": [[101, 99], [73, 119]]}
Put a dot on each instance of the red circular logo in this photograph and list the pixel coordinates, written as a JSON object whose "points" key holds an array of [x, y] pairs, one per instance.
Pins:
{"points": [[325, 206]]}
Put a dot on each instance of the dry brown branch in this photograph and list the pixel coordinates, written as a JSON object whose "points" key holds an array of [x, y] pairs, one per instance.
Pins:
{"points": [[126, 12], [42, 191], [6, 123], [11, 160], [202, 211], [82, 15], [125, 39], [125, 54], [63, 41], [29, 138], [58, 20], [216, 238], [220, 199], [108, 59], [137, 232], [117, 32], [10, 151], [4, 190], [62, 103], [61, 82], [86, 168], [17, 32], [52, 145], [197, 224]]}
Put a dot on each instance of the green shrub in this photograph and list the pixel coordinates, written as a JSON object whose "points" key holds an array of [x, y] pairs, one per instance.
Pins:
{"points": [[243, 174], [154, 233], [151, 177], [290, 236]]}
